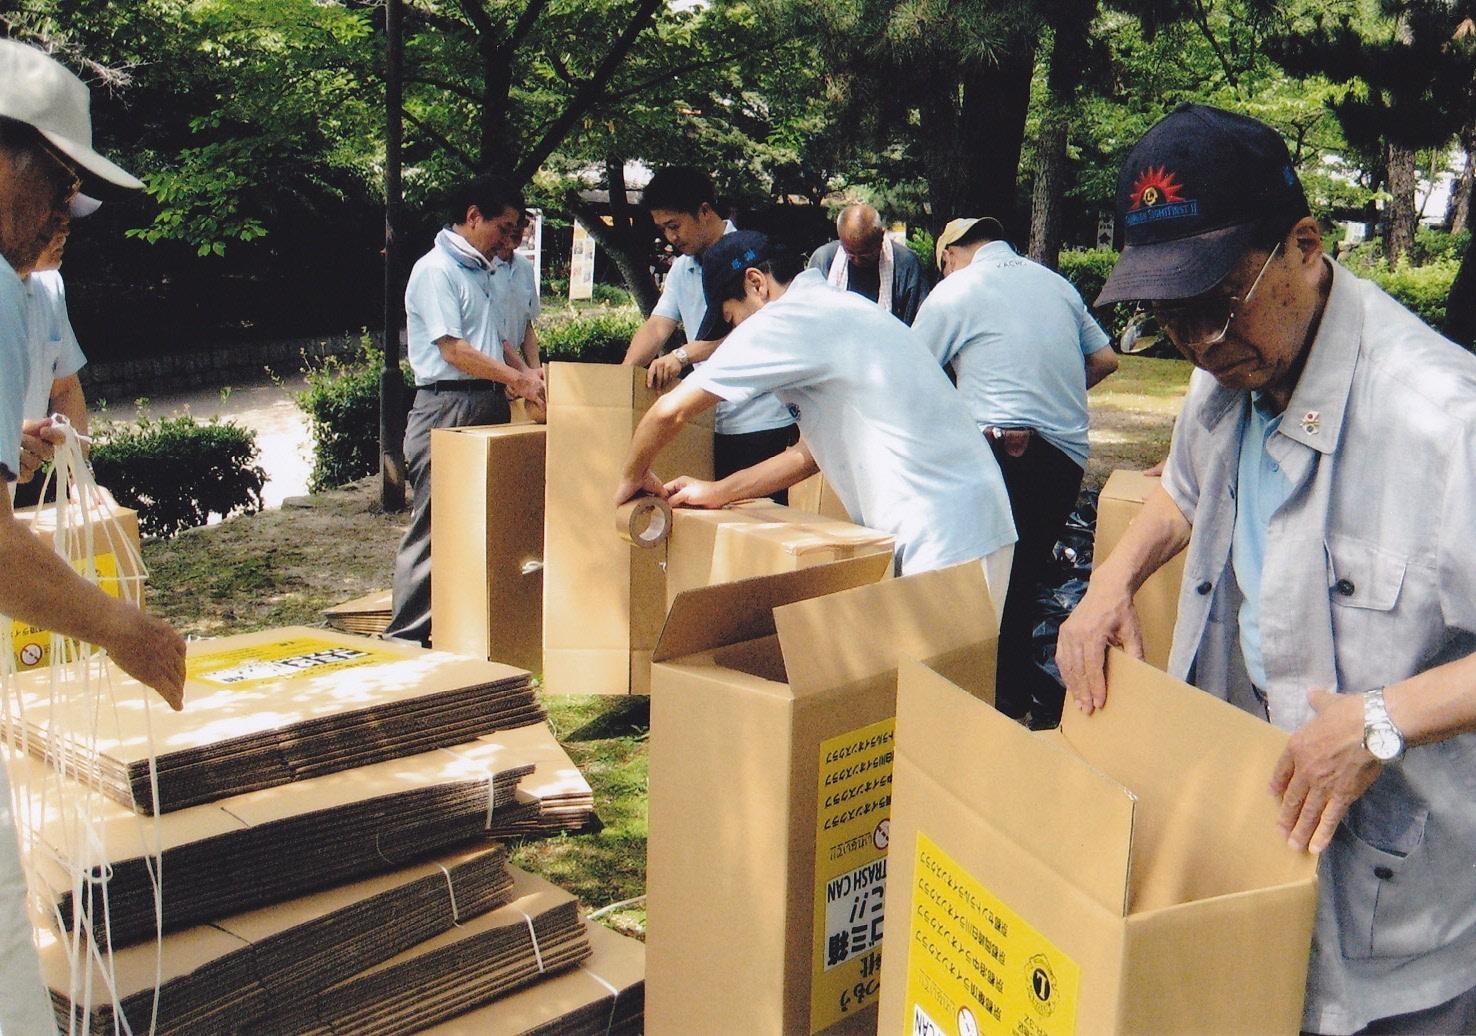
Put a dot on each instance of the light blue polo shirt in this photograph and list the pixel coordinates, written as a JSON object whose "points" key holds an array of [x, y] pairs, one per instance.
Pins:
{"points": [[1260, 488], [450, 293], [683, 300], [59, 354], [516, 294], [15, 368], [1017, 335]]}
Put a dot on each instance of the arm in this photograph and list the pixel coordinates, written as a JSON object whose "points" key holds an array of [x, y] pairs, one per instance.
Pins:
{"points": [[462, 355], [1100, 364], [662, 423], [45, 591], [1106, 616], [530, 348], [666, 370], [781, 471], [68, 400], [648, 340]]}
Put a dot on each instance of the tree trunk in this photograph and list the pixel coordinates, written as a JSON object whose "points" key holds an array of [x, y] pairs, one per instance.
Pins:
{"points": [[1460, 305], [626, 243], [1402, 220], [1050, 186], [1458, 212]]}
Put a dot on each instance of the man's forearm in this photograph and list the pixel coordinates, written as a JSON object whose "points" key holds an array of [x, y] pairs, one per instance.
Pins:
{"points": [[662, 423], [1159, 532], [68, 399], [700, 350], [461, 355], [46, 592], [769, 476], [647, 342], [530, 348]]}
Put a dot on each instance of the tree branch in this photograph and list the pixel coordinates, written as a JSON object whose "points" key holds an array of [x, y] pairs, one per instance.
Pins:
{"points": [[435, 20], [459, 89], [560, 69], [525, 23], [589, 93], [440, 139], [1201, 19]]}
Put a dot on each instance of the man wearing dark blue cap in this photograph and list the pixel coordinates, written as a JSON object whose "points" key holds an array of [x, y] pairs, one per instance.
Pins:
{"points": [[1325, 460], [875, 415]]}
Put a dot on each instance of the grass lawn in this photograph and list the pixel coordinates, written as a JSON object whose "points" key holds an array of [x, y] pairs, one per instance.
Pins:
{"points": [[283, 567]]}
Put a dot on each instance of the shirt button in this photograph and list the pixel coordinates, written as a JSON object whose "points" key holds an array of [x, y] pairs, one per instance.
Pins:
{"points": [[1383, 873], [1204, 588], [1344, 587]]}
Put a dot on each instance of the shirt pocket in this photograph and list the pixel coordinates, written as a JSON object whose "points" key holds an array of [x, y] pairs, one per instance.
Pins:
{"points": [[1383, 900], [1363, 575]]}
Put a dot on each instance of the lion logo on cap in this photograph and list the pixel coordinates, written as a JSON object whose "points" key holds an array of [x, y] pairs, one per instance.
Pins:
{"points": [[1156, 186]]}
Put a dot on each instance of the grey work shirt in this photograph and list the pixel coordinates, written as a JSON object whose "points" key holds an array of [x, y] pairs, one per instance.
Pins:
{"points": [[1370, 577]]}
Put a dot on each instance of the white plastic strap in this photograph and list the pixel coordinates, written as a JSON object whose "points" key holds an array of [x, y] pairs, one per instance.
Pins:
{"points": [[491, 799], [537, 953], [610, 1022], [451, 891]]}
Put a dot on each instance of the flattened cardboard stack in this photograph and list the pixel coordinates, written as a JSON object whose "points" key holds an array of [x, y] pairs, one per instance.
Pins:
{"points": [[1157, 600], [564, 800], [539, 933], [1121, 874], [114, 529], [266, 709], [368, 616], [270, 845], [487, 542], [759, 538], [605, 994], [238, 972], [770, 784], [605, 599]]}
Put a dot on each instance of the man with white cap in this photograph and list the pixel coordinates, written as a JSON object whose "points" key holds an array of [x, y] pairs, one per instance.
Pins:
{"points": [[1325, 461], [45, 141]]}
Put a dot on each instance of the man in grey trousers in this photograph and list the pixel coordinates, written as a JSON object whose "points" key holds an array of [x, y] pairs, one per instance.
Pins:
{"points": [[460, 376]]}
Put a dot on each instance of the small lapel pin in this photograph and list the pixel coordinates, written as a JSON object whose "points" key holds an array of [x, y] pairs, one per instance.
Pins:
{"points": [[1312, 422]]}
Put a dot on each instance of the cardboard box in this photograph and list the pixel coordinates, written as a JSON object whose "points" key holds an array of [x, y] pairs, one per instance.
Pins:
{"points": [[116, 548], [1157, 600], [605, 599], [770, 780], [487, 543], [1122, 874], [817, 496], [759, 538]]}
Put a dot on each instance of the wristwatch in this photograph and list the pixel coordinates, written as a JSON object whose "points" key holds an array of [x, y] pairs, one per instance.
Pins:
{"points": [[680, 352], [1381, 737]]}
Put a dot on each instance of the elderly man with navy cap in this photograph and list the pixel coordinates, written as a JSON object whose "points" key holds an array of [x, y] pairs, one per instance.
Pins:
{"points": [[45, 148], [875, 415], [1325, 461]]}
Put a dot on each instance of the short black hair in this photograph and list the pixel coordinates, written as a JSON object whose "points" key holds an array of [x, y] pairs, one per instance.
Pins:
{"points": [[679, 188], [490, 194], [17, 135]]}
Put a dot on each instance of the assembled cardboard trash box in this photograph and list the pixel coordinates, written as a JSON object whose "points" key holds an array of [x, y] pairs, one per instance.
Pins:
{"points": [[604, 599], [487, 542], [1157, 600], [770, 781], [1122, 874]]}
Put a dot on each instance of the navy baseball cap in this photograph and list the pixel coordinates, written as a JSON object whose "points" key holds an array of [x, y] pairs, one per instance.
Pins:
{"points": [[722, 267], [1192, 198]]}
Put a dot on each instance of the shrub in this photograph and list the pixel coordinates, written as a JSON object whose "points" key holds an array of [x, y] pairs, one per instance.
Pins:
{"points": [[612, 295], [342, 407], [1432, 245], [554, 288], [600, 337], [1088, 271], [1422, 289], [177, 472], [921, 243]]}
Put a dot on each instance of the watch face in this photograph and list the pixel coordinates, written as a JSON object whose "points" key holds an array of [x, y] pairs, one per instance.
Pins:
{"points": [[1383, 743]]}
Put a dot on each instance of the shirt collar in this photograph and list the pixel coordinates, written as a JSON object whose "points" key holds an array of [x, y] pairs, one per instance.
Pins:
{"points": [[460, 249], [992, 250], [1320, 399], [728, 228]]}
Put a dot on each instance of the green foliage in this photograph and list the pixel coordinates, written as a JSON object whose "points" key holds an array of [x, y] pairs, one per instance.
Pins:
{"points": [[177, 472], [922, 244], [600, 337], [612, 294], [1433, 245], [342, 407], [1087, 271], [555, 288], [1421, 289]]}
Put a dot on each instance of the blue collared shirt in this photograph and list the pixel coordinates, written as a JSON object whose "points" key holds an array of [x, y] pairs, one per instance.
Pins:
{"points": [[1260, 488], [450, 294]]}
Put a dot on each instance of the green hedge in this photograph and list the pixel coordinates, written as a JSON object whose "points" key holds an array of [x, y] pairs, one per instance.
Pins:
{"points": [[600, 337], [1087, 271], [342, 407], [177, 472], [1422, 289]]}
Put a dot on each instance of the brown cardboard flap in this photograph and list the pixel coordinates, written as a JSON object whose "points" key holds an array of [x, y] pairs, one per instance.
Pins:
{"points": [[1074, 819], [1178, 748], [1132, 486], [729, 613], [845, 637], [593, 384]]}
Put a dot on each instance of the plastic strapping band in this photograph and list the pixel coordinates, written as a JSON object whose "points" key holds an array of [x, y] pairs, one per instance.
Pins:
{"points": [[491, 798], [451, 891], [537, 953], [609, 1024]]}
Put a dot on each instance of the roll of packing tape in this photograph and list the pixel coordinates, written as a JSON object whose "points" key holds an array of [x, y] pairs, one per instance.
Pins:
{"points": [[644, 521]]}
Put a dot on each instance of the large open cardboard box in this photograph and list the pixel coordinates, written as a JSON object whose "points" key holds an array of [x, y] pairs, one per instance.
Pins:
{"points": [[770, 780], [1122, 874], [487, 542], [817, 496], [604, 599], [759, 538], [1157, 600], [115, 547]]}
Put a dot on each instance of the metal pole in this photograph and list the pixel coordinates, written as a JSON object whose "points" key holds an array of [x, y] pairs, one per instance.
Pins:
{"points": [[391, 385]]}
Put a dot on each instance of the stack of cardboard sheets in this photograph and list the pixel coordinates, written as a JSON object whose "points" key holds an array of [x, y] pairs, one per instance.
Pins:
{"points": [[564, 800], [235, 973], [266, 709], [368, 615]]}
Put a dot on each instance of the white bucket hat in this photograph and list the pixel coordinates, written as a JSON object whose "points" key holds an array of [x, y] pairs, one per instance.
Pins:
{"points": [[37, 90]]}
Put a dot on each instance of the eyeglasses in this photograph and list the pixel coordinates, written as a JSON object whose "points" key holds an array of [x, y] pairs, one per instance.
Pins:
{"points": [[1206, 321], [64, 176]]}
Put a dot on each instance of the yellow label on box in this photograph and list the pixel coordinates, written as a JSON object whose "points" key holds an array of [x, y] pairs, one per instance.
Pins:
{"points": [[852, 814], [281, 660], [974, 965], [32, 645]]}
